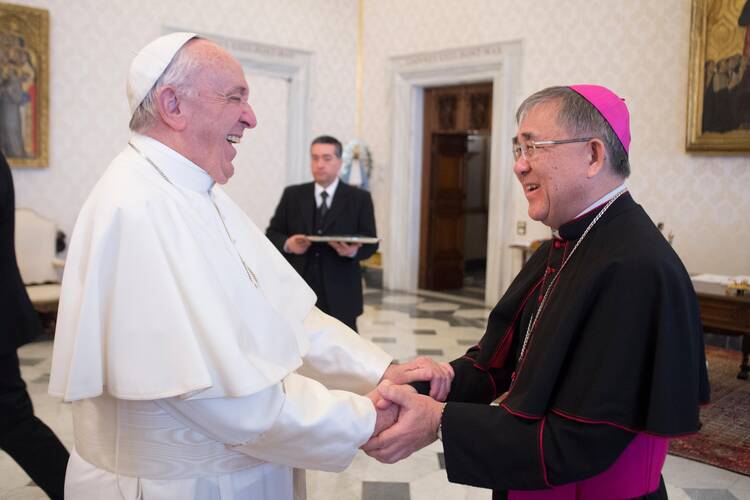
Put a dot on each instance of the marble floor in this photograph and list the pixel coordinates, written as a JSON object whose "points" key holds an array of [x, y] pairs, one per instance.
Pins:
{"points": [[405, 325]]}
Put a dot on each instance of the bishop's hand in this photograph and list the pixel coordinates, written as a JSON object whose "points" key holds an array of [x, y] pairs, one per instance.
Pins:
{"points": [[417, 425], [440, 375]]}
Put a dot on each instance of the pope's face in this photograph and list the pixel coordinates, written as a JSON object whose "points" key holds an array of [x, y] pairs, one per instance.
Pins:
{"points": [[324, 163], [553, 178], [217, 111]]}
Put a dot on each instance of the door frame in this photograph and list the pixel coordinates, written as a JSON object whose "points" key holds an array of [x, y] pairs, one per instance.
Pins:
{"points": [[498, 63]]}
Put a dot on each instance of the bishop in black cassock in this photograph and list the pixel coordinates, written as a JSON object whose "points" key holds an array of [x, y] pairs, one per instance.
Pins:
{"points": [[594, 355], [617, 352]]}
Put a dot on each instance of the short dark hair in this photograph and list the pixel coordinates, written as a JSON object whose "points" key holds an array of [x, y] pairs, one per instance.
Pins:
{"points": [[327, 139], [579, 116]]}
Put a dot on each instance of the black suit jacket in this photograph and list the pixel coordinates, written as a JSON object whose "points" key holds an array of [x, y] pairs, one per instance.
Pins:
{"points": [[19, 322], [351, 213]]}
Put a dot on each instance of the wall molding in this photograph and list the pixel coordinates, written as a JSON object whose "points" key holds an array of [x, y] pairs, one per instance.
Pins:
{"points": [[411, 74]]}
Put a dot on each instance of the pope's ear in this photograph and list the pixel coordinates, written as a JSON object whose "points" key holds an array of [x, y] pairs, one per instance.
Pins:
{"points": [[168, 104], [597, 156]]}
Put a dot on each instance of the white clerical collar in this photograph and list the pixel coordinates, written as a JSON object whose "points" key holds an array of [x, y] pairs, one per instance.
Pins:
{"points": [[179, 170], [601, 201], [331, 190], [604, 199]]}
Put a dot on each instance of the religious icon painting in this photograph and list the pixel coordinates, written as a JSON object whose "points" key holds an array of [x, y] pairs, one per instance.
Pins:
{"points": [[719, 77], [24, 85]]}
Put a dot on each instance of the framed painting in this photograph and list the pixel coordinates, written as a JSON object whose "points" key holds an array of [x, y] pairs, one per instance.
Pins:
{"points": [[719, 77], [24, 85]]}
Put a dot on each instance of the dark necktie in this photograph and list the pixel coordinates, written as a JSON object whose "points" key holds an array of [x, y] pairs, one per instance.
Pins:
{"points": [[323, 210]]}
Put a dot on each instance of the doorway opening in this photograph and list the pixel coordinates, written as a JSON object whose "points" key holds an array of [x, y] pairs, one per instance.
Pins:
{"points": [[455, 189]]}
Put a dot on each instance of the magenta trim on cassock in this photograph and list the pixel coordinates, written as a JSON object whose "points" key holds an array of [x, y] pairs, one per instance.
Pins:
{"points": [[635, 473]]}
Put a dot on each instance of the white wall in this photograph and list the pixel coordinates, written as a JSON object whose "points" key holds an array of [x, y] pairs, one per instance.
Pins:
{"points": [[639, 48], [254, 184], [92, 43]]}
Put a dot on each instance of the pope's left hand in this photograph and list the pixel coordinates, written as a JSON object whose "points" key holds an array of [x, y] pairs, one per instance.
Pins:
{"points": [[417, 425], [440, 375], [345, 249]]}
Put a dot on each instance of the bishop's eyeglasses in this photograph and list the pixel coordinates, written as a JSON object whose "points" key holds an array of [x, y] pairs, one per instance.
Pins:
{"points": [[528, 148]]}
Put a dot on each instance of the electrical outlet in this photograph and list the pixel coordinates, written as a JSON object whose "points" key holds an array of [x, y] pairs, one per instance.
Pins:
{"points": [[520, 227]]}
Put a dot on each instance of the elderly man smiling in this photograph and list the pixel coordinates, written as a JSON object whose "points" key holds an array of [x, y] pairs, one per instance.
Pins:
{"points": [[196, 362], [595, 352]]}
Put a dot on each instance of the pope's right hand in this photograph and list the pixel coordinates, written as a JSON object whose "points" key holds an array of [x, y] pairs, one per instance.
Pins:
{"points": [[386, 411], [297, 244]]}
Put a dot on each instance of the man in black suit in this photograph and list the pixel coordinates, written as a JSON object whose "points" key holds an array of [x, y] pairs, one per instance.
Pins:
{"points": [[326, 207], [22, 435]]}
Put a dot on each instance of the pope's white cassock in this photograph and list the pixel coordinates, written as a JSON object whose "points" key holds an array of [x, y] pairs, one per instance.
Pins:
{"points": [[196, 362]]}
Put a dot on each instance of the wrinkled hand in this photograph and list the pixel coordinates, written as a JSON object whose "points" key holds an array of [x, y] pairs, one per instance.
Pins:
{"points": [[387, 413], [417, 425], [345, 249], [297, 243], [440, 375]]}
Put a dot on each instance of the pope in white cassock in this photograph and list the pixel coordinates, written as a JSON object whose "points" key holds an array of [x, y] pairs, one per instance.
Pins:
{"points": [[196, 362]]}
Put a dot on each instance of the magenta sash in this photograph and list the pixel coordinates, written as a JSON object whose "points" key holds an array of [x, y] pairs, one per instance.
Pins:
{"points": [[635, 473]]}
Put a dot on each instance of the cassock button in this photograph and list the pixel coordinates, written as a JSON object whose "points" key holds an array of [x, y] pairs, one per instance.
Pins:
{"points": [[557, 244], [320, 231]]}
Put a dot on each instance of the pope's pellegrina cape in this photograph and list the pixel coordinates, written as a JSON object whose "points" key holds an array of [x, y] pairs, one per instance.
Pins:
{"points": [[152, 271], [617, 351]]}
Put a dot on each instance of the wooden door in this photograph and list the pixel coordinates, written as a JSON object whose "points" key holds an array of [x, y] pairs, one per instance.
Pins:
{"points": [[446, 222], [451, 115]]}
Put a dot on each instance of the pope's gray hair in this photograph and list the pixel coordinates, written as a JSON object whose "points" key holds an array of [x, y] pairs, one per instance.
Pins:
{"points": [[177, 74], [579, 117]]}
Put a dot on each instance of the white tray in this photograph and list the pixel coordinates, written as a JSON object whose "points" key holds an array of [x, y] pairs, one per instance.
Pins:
{"points": [[345, 239]]}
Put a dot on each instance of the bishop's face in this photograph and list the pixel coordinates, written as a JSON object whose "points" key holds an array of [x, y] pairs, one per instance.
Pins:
{"points": [[218, 113], [553, 178]]}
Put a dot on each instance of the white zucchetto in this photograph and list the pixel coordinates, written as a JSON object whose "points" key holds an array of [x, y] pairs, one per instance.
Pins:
{"points": [[149, 64]]}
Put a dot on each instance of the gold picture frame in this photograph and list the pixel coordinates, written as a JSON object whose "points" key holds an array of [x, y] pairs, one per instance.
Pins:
{"points": [[24, 85], [719, 77]]}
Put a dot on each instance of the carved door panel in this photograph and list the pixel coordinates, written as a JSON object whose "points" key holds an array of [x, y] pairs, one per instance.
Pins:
{"points": [[448, 109], [462, 108], [479, 107]]}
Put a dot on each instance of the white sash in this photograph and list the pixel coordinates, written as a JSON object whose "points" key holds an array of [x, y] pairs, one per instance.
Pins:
{"points": [[140, 439]]}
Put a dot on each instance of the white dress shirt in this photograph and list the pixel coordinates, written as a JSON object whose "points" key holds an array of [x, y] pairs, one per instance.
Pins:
{"points": [[331, 190]]}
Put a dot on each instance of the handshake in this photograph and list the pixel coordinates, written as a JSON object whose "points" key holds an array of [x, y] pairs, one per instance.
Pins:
{"points": [[407, 421]]}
